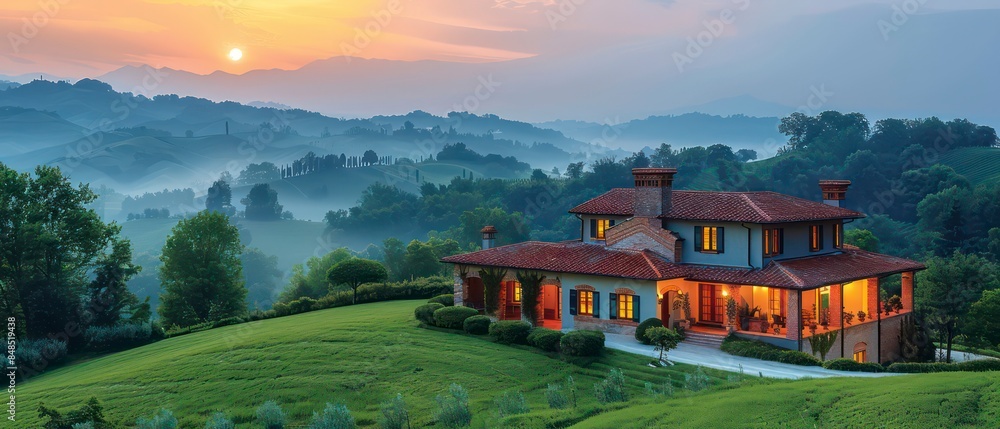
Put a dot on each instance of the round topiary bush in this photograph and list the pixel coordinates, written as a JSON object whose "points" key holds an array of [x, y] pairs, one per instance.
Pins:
{"points": [[545, 339], [798, 358], [477, 325], [582, 343], [452, 317], [446, 300], [640, 331], [510, 332], [425, 313]]}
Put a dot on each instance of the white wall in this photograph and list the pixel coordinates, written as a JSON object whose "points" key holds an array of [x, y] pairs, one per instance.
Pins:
{"points": [[646, 290], [586, 226]]}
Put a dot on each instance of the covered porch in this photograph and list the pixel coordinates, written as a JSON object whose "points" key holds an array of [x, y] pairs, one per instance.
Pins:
{"points": [[470, 292]]}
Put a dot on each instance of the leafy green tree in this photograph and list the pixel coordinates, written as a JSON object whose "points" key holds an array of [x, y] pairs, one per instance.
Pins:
{"points": [[311, 280], [539, 175], [982, 323], [261, 276], [202, 274], [259, 173], [395, 258], [944, 213], [355, 272], [663, 339], [421, 260], [862, 238], [220, 198], [109, 296], [746, 155], [574, 170], [262, 203], [949, 287], [664, 156], [369, 157]]}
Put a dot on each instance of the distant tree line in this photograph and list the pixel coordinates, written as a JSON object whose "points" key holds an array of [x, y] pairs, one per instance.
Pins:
{"points": [[311, 163], [150, 214]]}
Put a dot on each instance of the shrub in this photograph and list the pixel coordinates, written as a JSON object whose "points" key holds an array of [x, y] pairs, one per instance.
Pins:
{"points": [[582, 343], [697, 381], [510, 332], [34, 356], [219, 421], [452, 317], [301, 305], [980, 365], [545, 339], [843, 364], [164, 419], [555, 396], [761, 350], [446, 300], [280, 309], [796, 357], [393, 414], [663, 389], [335, 416], [640, 331], [453, 408], [477, 325], [270, 416], [228, 321], [511, 403], [87, 425], [425, 313], [118, 336], [664, 339], [612, 388], [91, 413]]}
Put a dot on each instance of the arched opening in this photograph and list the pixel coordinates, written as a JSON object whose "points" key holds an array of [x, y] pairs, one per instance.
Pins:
{"points": [[551, 303], [861, 352], [474, 293]]}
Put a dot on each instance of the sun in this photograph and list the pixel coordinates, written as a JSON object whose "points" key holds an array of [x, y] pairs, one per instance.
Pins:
{"points": [[235, 54]]}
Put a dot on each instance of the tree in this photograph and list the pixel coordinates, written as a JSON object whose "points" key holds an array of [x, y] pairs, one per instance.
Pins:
{"points": [[663, 339], [262, 203], [220, 198], [261, 276], [355, 272], [949, 287], [369, 157], [531, 290], [862, 238], [746, 155], [538, 175], [259, 173], [574, 170], [421, 261], [663, 156], [492, 282], [311, 280], [202, 274], [395, 258], [982, 323], [108, 293]]}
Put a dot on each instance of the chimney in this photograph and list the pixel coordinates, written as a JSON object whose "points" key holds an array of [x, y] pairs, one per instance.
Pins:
{"points": [[653, 188], [489, 237], [834, 191]]}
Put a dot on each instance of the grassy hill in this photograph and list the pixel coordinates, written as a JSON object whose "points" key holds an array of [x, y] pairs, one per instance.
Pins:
{"points": [[978, 164], [358, 355], [364, 354]]}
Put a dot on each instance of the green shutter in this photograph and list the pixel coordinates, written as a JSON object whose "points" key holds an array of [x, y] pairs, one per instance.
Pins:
{"points": [[635, 308], [698, 238], [593, 228], [574, 301], [597, 305], [613, 298], [820, 238], [721, 239], [781, 241]]}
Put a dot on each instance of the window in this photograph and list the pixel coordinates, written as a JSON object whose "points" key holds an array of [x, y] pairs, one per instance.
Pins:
{"points": [[586, 302], [815, 238], [776, 301], [774, 241], [838, 235], [860, 356], [599, 226], [517, 292], [709, 239], [625, 306]]}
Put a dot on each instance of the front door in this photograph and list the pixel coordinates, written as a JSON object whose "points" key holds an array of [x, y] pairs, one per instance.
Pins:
{"points": [[712, 303]]}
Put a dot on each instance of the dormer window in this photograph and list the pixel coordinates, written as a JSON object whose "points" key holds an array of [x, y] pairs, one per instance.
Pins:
{"points": [[599, 226], [815, 238], [709, 239], [774, 241]]}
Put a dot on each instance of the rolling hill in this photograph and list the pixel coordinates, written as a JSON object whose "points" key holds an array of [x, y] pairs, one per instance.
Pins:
{"points": [[979, 165]]}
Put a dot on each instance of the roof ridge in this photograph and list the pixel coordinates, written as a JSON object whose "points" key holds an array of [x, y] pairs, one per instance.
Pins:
{"points": [[798, 280], [650, 262], [756, 208]]}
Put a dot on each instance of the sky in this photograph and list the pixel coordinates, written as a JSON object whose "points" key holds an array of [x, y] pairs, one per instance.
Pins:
{"points": [[77, 39]]}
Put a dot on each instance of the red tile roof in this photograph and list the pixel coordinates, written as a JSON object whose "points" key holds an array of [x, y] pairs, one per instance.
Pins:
{"points": [[573, 257], [752, 207], [595, 259]]}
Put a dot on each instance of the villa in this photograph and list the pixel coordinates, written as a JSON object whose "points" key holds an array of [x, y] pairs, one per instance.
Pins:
{"points": [[647, 251]]}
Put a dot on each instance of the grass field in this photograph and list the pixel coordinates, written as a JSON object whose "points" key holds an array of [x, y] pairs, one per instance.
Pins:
{"points": [[365, 354], [978, 164]]}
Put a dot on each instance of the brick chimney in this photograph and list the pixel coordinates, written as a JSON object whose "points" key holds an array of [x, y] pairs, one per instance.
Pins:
{"points": [[653, 187], [489, 237], [834, 191]]}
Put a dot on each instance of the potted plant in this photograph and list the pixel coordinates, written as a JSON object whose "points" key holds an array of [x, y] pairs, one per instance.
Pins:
{"points": [[763, 323], [848, 317], [683, 302], [745, 314], [895, 303], [861, 316], [824, 319], [731, 313]]}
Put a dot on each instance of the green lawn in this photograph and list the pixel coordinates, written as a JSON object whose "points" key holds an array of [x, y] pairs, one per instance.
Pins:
{"points": [[359, 355]]}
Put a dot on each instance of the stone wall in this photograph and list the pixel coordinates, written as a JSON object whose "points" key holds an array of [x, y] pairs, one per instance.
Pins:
{"points": [[867, 333], [645, 233]]}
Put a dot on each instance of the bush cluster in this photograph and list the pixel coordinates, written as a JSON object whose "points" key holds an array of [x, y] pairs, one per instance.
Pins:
{"points": [[510, 332], [452, 317], [545, 339], [980, 365], [582, 343], [477, 325], [118, 336], [40, 354], [640, 331], [447, 299], [612, 388], [761, 350], [844, 364], [425, 313]]}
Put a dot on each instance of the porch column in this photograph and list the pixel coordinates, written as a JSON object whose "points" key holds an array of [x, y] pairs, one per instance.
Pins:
{"points": [[873, 299], [907, 294], [793, 320], [836, 305], [459, 288]]}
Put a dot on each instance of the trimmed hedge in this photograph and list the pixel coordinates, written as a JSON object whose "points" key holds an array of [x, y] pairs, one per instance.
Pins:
{"points": [[640, 331], [980, 365], [545, 339], [582, 343], [510, 332], [764, 351], [448, 299], [844, 364], [119, 336], [477, 325], [452, 317], [425, 313]]}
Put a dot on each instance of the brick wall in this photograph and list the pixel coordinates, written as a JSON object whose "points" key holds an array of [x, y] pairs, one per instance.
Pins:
{"points": [[794, 311], [867, 333], [907, 293], [644, 233], [873, 297], [617, 326]]}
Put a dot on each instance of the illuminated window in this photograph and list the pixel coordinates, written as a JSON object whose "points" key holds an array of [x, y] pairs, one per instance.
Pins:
{"points": [[708, 239], [586, 302], [625, 309], [773, 241], [860, 356], [599, 226], [838, 235], [517, 292], [815, 237], [776, 301]]}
